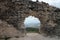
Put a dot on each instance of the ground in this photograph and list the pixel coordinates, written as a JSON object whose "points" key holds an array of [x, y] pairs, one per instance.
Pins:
{"points": [[35, 36]]}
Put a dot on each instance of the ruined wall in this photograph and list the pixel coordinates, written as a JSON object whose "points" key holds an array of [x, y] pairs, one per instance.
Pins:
{"points": [[14, 13]]}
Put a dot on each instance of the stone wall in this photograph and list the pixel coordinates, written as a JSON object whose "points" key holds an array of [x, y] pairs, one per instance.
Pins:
{"points": [[14, 13], [8, 31]]}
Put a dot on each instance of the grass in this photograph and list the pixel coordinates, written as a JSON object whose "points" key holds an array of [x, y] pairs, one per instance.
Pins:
{"points": [[29, 29]]}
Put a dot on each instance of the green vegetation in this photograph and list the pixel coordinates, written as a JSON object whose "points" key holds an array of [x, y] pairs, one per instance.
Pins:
{"points": [[29, 29]]}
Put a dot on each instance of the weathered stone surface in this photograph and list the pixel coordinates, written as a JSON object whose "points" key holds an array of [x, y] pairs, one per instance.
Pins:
{"points": [[2, 39], [15, 11], [7, 31]]}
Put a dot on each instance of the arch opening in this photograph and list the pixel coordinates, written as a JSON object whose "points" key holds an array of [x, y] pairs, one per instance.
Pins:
{"points": [[32, 24]]}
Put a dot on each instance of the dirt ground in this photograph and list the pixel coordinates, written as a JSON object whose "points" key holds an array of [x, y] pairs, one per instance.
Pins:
{"points": [[35, 36]]}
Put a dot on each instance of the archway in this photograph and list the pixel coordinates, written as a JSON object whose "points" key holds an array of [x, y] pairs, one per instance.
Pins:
{"points": [[41, 16], [32, 24]]}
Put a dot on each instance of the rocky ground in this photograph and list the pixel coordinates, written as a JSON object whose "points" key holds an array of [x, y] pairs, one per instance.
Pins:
{"points": [[35, 36]]}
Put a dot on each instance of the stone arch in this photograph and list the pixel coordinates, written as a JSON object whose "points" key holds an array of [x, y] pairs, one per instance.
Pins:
{"points": [[42, 17]]}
